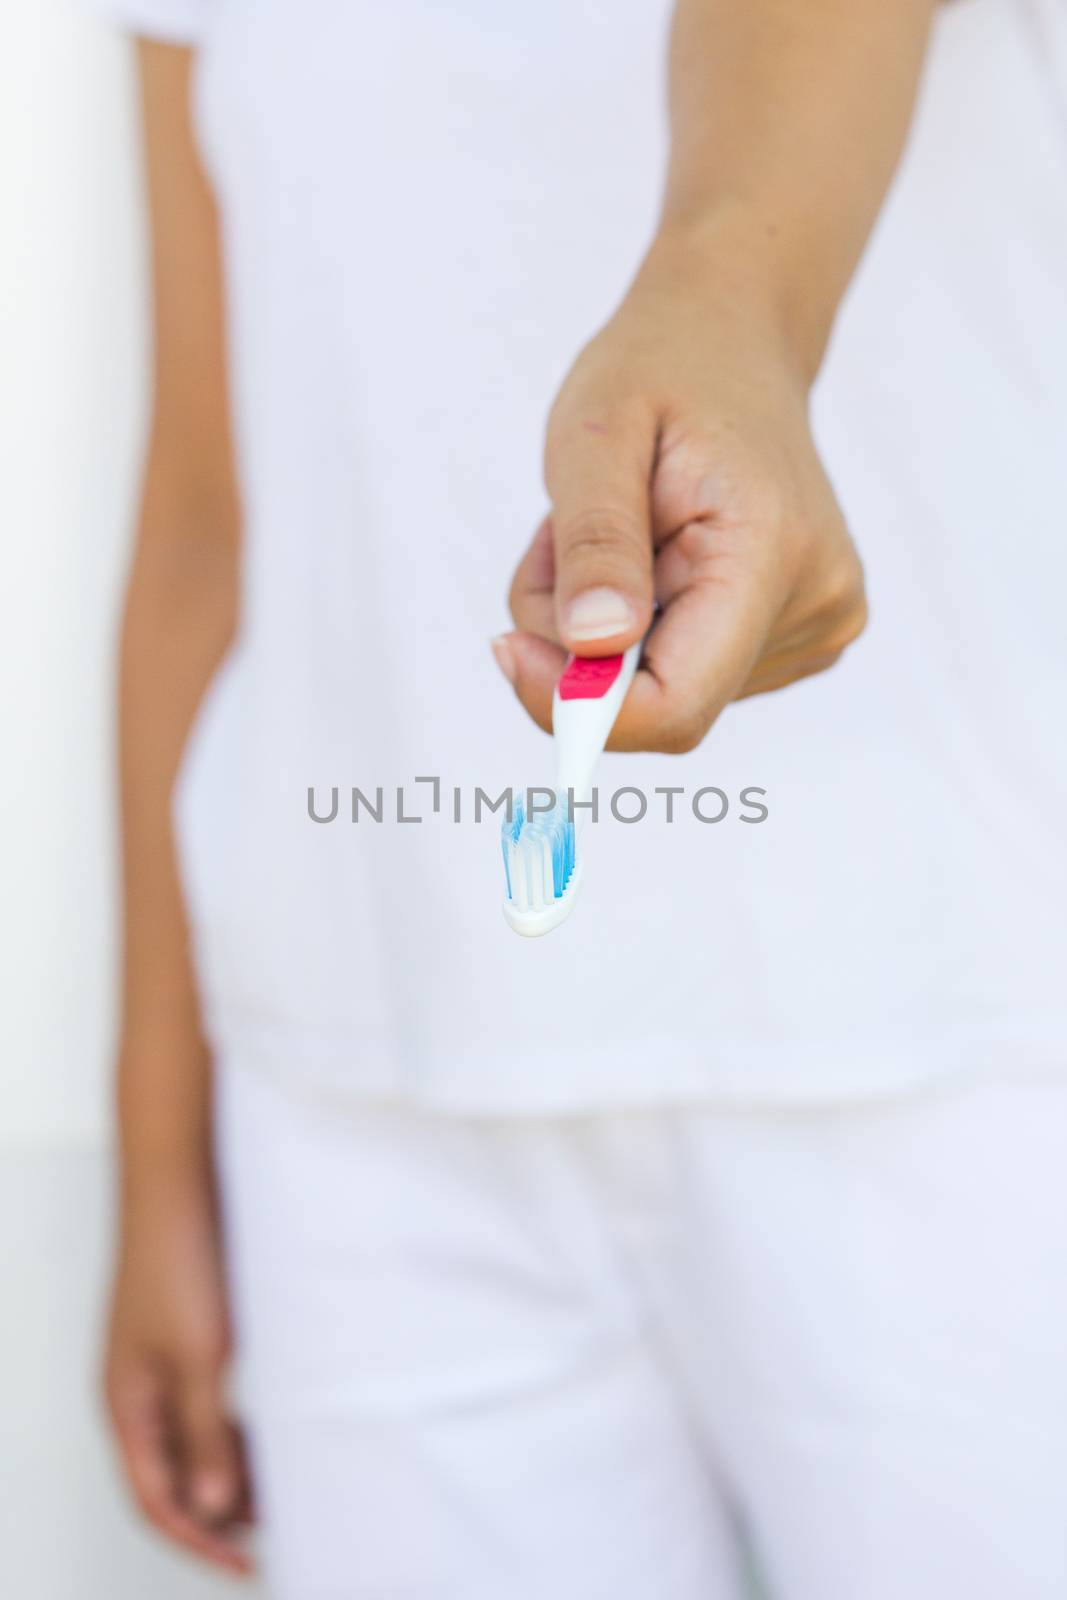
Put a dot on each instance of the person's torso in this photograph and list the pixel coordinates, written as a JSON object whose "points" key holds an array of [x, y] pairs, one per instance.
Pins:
{"points": [[427, 210]]}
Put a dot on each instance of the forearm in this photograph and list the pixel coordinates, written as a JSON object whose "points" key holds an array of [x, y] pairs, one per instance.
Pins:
{"points": [[787, 122], [178, 621], [168, 1338]]}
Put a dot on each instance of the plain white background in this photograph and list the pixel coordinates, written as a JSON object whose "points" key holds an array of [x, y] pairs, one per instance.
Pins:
{"points": [[72, 331]]}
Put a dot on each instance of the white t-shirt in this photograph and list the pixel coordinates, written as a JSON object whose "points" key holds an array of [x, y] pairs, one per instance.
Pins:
{"points": [[427, 208]]}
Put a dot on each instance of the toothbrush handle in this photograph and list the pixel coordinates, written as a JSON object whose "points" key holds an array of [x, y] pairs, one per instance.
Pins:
{"points": [[587, 701]]}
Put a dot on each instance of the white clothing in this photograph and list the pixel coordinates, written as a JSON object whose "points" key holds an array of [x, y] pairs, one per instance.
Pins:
{"points": [[565, 1359], [569, 1357], [428, 207]]}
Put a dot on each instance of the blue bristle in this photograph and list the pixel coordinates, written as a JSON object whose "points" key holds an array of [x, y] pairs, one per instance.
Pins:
{"points": [[531, 834], [562, 849], [510, 829]]}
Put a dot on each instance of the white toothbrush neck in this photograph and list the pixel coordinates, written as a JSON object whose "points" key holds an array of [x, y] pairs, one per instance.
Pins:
{"points": [[582, 725], [576, 755]]}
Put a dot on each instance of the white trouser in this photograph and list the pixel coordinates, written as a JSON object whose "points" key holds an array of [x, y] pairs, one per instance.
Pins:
{"points": [[567, 1359]]}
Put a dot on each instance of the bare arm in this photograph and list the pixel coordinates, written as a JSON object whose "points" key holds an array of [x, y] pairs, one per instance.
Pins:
{"points": [[179, 618], [679, 459], [787, 123], [169, 1334]]}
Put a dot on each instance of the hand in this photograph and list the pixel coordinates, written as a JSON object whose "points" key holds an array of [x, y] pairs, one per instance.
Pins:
{"points": [[681, 470], [167, 1349]]}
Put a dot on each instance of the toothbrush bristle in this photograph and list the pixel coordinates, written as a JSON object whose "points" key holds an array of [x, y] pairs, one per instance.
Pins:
{"points": [[538, 855]]}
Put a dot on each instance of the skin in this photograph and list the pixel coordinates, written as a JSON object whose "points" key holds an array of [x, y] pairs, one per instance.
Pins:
{"points": [[168, 1338], [679, 459], [680, 468]]}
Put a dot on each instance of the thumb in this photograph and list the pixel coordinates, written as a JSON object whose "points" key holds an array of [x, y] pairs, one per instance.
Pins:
{"points": [[598, 469]]}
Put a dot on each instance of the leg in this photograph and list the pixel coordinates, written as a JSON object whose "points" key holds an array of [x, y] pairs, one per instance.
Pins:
{"points": [[450, 1395], [882, 1339]]}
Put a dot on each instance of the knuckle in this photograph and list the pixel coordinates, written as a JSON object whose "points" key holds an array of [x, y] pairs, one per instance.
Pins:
{"points": [[858, 619], [821, 663], [850, 623], [842, 587], [595, 390], [598, 532], [682, 734]]}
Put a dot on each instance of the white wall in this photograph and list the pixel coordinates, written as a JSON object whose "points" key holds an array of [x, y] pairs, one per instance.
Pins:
{"points": [[71, 402], [71, 293]]}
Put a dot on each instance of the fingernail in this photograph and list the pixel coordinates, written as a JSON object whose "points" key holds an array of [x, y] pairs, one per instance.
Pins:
{"points": [[597, 614], [505, 657], [211, 1493]]}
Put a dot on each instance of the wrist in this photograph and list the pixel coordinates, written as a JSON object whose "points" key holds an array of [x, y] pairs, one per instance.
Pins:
{"points": [[157, 1184], [163, 1122], [736, 264]]}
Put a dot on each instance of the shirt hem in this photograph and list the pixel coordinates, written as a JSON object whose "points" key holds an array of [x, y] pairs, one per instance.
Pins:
{"points": [[351, 1066]]}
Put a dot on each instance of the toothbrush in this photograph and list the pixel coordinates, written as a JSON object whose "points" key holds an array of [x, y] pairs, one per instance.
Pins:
{"points": [[542, 860]]}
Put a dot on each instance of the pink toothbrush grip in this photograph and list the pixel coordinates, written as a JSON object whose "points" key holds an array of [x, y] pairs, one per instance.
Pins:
{"points": [[588, 677]]}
